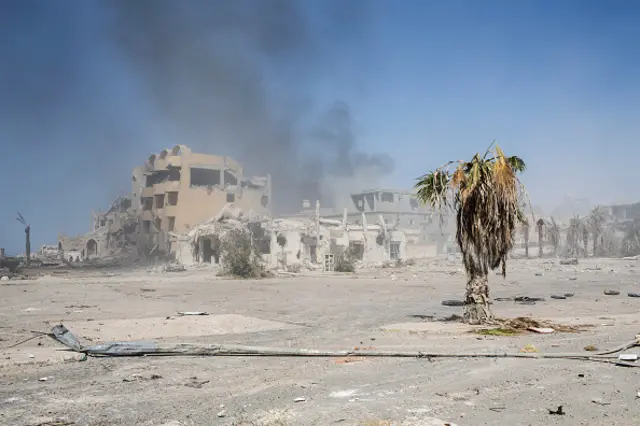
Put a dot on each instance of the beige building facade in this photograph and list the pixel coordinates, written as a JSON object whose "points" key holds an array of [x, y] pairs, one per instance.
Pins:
{"points": [[177, 189]]}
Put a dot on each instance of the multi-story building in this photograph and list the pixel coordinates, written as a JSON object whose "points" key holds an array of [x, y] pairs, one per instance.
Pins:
{"points": [[177, 189]]}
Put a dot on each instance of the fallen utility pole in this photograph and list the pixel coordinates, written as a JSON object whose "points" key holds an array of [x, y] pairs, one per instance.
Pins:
{"points": [[63, 335]]}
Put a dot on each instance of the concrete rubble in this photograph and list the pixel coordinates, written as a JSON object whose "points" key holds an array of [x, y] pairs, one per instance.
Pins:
{"points": [[290, 244], [114, 235]]}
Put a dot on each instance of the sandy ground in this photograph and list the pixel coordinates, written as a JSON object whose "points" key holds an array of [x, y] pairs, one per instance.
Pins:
{"points": [[41, 384]]}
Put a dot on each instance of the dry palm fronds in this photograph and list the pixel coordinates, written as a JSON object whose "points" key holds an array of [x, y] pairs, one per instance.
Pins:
{"points": [[525, 323], [488, 199]]}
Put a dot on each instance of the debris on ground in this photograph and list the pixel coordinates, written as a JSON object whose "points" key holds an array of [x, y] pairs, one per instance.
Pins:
{"points": [[174, 267], [600, 401], [195, 383], [526, 323], [633, 294], [591, 348], [541, 330], [558, 412], [628, 357], [498, 332], [528, 299], [611, 292], [557, 296], [452, 303]]}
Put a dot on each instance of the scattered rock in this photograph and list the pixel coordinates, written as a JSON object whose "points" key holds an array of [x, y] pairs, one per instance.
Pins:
{"points": [[222, 413], [453, 303], [300, 399], [633, 294], [600, 401], [590, 348], [573, 261], [4, 278], [569, 294], [557, 296], [611, 292]]}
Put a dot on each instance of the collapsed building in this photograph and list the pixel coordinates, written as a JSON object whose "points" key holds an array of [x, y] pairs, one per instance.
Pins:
{"points": [[425, 234], [113, 232], [172, 192], [183, 202], [178, 189], [286, 243]]}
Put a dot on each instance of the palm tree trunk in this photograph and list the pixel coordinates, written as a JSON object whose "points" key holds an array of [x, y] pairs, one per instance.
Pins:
{"points": [[595, 244], [27, 232], [477, 304], [539, 240]]}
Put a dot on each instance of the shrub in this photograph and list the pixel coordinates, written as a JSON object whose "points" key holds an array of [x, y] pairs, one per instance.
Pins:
{"points": [[241, 258], [345, 262]]}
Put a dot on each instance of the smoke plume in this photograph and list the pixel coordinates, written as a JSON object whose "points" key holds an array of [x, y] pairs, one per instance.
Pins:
{"points": [[231, 77]]}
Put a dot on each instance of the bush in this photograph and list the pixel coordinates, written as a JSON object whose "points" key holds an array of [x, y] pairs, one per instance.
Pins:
{"points": [[295, 268], [241, 258], [345, 262]]}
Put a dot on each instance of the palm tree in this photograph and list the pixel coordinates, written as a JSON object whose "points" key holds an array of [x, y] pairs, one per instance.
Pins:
{"points": [[595, 222], [27, 232], [585, 238], [631, 240], [573, 235], [554, 235], [485, 194], [540, 224], [525, 231]]}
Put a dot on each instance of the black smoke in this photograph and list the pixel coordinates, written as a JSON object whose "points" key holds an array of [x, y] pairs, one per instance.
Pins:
{"points": [[224, 77]]}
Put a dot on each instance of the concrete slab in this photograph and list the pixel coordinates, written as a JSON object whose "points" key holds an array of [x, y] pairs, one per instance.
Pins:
{"points": [[182, 327]]}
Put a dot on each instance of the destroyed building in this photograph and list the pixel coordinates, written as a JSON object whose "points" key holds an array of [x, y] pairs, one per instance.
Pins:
{"points": [[172, 192], [284, 243], [112, 232], [399, 210], [178, 189]]}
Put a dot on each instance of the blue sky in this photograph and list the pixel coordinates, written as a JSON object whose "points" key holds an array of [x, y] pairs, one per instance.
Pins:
{"points": [[555, 82]]}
